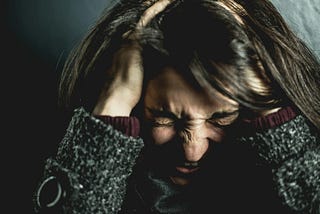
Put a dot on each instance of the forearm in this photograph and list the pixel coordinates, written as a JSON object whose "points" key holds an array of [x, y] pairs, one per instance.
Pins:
{"points": [[93, 163], [298, 182], [292, 152]]}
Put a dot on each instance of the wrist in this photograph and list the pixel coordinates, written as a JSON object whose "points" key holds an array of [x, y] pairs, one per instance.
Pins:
{"points": [[112, 108], [278, 144]]}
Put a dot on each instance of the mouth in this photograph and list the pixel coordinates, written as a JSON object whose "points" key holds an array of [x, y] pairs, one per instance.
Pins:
{"points": [[185, 169]]}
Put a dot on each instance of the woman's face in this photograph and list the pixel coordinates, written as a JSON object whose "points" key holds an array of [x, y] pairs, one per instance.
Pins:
{"points": [[185, 121]]}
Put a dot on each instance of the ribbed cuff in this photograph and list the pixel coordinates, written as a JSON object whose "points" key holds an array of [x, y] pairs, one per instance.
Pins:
{"points": [[130, 126], [273, 120]]}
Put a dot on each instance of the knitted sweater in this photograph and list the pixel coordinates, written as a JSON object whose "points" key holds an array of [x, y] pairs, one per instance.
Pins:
{"points": [[90, 172]]}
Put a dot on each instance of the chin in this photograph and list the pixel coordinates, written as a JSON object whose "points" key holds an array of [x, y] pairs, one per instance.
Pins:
{"points": [[179, 180]]}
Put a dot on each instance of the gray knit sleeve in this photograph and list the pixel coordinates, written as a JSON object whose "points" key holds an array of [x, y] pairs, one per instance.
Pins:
{"points": [[95, 161], [298, 182], [292, 150]]}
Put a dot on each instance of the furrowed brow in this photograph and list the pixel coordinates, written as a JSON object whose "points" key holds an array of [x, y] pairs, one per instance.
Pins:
{"points": [[224, 114], [162, 113]]}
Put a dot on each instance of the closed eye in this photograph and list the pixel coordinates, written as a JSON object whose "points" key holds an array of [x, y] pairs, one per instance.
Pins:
{"points": [[161, 118], [162, 122], [223, 119], [221, 123]]}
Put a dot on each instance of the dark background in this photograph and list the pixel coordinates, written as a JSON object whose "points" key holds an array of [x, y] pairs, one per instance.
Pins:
{"points": [[37, 36]]}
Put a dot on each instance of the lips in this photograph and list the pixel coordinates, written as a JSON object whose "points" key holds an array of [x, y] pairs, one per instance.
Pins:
{"points": [[186, 170], [188, 167]]}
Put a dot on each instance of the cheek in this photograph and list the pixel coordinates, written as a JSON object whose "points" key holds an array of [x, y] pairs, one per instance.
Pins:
{"points": [[161, 135], [215, 134]]}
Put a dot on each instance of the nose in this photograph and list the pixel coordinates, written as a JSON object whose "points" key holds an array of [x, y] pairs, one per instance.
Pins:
{"points": [[194, 145]]}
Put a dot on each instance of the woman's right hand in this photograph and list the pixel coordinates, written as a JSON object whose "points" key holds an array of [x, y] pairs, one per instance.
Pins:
{"points": [[123, 93], [119, 97]]}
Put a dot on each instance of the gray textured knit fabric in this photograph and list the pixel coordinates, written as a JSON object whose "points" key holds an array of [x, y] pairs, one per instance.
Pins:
{"points": [[97, 160], [293, 152]]}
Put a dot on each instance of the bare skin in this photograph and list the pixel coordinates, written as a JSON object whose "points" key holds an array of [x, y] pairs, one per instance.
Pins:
{"points": [[127, 66], [170, 93], [170, 100], [127, 85]]}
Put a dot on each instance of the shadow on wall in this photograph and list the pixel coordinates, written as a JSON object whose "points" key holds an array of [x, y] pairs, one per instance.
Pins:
{"points": [[37, 37], [52, 28]]}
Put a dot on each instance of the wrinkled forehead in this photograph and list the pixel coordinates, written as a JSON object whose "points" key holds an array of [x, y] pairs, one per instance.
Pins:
{"points": [[173, 85]]}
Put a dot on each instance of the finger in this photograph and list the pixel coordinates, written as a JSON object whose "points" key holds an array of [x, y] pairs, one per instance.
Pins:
{"points": [[149, 14], [152, 11]]}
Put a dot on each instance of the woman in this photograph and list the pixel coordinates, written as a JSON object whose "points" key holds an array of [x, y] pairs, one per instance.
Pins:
{"points": [[196, 106]]}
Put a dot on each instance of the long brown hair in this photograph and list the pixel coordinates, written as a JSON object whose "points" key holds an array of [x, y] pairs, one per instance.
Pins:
{"points": [[284, 55], [225, 44]]}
